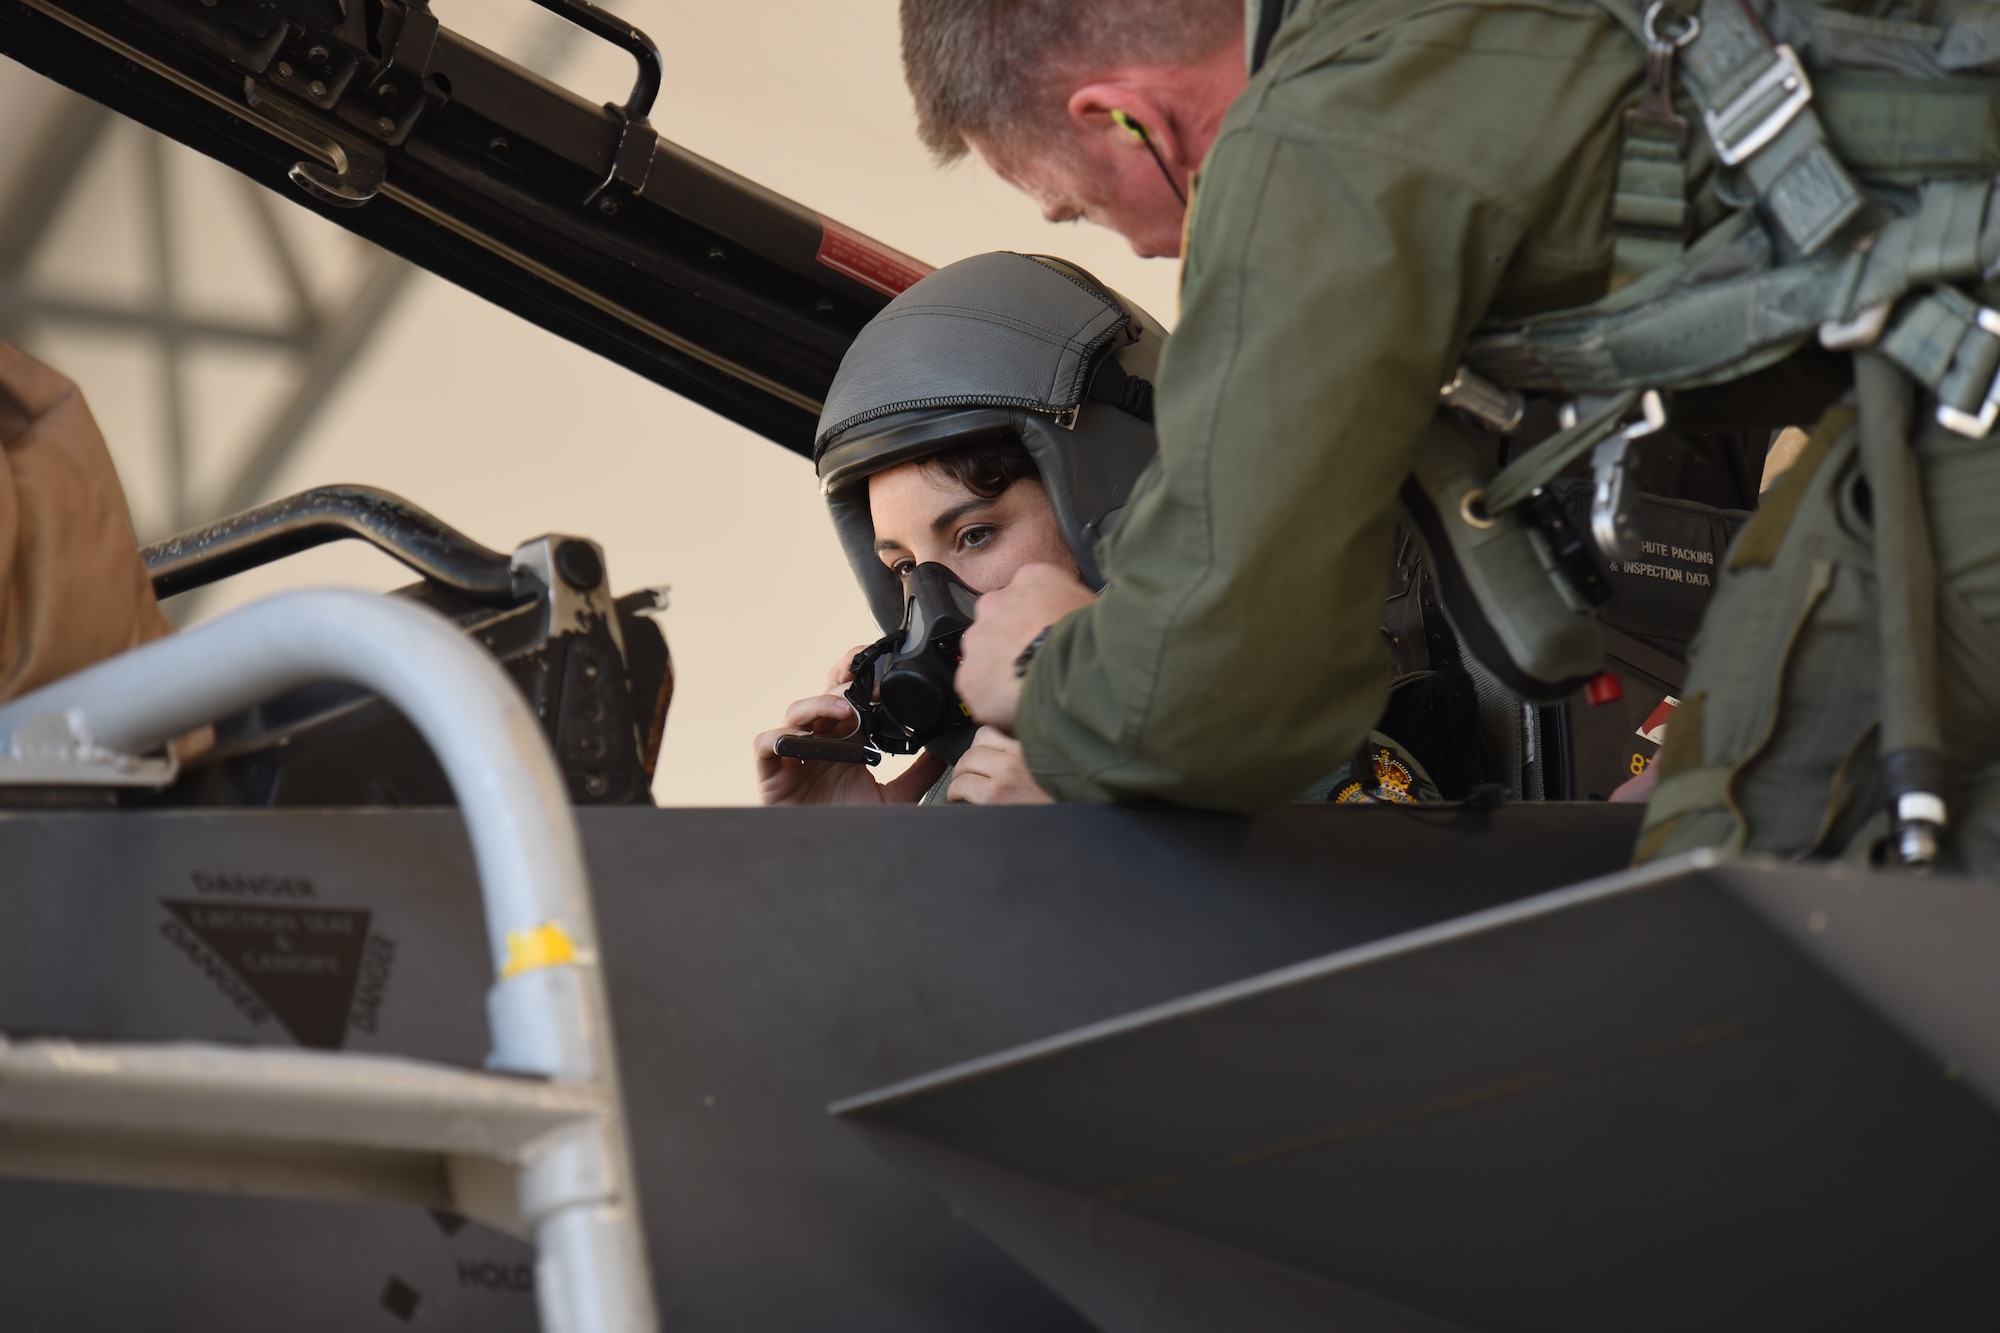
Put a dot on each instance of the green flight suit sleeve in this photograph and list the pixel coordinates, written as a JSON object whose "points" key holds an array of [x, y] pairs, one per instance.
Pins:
{"points": [[1332, 274]]}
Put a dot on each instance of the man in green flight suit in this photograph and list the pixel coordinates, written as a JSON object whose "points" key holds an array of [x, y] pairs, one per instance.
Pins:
{"points": [[1395, 180], [1388, 177]]}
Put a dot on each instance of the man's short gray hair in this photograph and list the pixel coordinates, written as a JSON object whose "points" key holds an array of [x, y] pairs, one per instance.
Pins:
{"points": [[997, 68]]}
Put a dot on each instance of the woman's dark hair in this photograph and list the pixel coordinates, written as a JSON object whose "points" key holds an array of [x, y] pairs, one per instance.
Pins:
{"points": [[985, 467]]}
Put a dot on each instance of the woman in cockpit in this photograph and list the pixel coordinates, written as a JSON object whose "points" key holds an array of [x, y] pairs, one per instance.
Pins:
{"points": [[996, 414], [982, 511]]}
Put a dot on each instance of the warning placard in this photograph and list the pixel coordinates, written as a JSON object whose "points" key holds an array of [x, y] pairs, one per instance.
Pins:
{"points": [[867, 260], [300, 962], [1654, 728]]}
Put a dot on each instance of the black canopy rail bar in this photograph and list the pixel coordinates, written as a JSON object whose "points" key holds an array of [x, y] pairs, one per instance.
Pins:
{"points": [[420, 540], [575, 216]]}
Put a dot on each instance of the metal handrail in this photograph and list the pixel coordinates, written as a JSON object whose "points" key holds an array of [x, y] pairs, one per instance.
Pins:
{"points": [[603, 23], [426, 544], [548, 1009]]}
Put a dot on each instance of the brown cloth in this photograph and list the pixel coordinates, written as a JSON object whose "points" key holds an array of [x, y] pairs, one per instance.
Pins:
{"points": [[73, 590]]}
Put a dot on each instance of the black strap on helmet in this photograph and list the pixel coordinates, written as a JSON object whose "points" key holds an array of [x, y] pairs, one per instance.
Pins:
{"points": [[1128, 393]]}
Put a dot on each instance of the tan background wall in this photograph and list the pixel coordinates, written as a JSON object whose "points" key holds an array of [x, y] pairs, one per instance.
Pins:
{"points": [[506, 431]]}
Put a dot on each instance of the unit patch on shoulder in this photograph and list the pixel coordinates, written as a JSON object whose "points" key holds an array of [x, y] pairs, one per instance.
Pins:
{"points": [[1392, 783]]}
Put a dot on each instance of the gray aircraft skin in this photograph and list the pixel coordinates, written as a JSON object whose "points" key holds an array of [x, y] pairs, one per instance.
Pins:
{"points": [[1336, 1067], [1372, 1068], [756, 979]]}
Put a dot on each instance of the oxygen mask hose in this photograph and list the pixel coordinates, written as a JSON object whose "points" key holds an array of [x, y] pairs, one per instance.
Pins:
{"points": [[1913, 769]]}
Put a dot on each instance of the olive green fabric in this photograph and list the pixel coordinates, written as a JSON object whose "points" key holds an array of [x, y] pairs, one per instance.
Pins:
{"points": [[1782, 757], [1395, 175], [1391, 773]]}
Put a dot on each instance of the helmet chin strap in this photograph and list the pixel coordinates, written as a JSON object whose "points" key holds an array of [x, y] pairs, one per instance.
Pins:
{"points": [[1138, 131]]}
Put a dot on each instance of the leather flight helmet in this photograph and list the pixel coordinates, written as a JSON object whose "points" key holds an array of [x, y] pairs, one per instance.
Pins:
{"points": [[998, 346]]}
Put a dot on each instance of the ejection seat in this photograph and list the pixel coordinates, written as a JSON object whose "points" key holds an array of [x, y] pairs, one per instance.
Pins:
{"points": [[594, 667]]}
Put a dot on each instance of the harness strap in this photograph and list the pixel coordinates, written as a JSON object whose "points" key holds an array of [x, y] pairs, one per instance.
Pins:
{"points": [[1649, 205], [1966, 42], [1729, 308], [1757, 103], [1944, 235], [1560, 352], [1972, 42], [1898, 133], [1127, 392], [1693, 326], [1539, 466], [1925, 342], [1649, 208], [1951, 345]]}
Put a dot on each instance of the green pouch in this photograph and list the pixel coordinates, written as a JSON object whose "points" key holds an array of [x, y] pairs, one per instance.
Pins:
{"points": [[1785, 669], [1494, 574]]}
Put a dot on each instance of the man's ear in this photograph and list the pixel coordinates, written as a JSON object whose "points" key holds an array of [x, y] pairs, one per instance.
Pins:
{"points": [[1131, 115]]}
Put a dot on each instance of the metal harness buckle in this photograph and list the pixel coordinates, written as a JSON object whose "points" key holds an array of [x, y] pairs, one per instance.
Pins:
{"points": [[1610, 510], [1977, 426], [1734, 140]]}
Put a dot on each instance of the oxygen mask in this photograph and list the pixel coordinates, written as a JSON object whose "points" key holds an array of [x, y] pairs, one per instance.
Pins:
{"points": [[902, 691]]}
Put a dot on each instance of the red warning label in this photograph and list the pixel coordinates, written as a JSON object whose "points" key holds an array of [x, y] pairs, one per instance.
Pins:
{"points": [[867, 260], [1654, 728]]}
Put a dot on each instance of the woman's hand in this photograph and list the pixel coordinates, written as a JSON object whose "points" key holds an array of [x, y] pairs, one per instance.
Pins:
{"points": [[782, 781], [994, 772], [1639, 790]]}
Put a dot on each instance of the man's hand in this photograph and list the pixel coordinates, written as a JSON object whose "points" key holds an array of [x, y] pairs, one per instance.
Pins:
{"points": [[993, 772], [1008, 619]]}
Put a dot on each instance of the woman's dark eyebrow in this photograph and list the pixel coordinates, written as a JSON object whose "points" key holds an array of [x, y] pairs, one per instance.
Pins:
{"points": [[956, 512], [940, 523]]}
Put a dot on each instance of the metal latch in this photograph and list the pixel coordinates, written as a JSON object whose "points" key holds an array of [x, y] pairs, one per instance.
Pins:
{"points": [[1499, 410], [1863, 330], [1734, 139], [1972, 364], [1610, 515]]}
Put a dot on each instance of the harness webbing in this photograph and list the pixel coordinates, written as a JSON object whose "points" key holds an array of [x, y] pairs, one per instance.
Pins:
{"points": [[1727, 310], [1764, 281], [1756, 102], [1808, 253]]}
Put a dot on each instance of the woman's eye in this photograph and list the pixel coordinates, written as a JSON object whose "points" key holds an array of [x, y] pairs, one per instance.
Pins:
{"points": [[973, 538], [901, 569]]}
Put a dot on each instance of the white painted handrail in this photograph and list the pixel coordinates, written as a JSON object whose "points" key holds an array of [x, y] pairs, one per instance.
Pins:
{"points": [[548, 1008]]}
